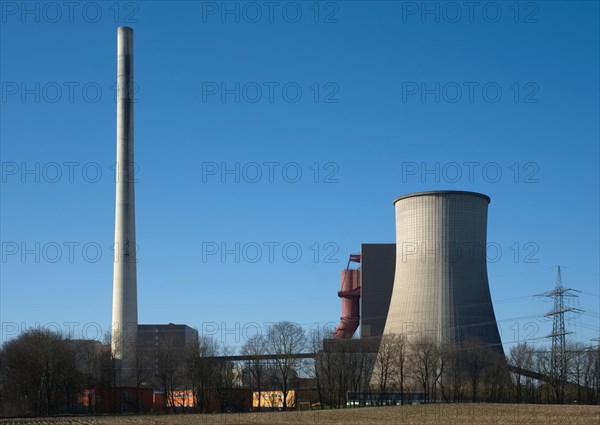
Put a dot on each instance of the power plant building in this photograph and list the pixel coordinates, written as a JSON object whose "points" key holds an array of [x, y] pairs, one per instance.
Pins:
{"points": [[173, 340], [432, 282], [176, 336], [377, 264], [366, 291]]}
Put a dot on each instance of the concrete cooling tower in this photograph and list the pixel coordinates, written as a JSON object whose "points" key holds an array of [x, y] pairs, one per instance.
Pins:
{"points": [[441, 286]]}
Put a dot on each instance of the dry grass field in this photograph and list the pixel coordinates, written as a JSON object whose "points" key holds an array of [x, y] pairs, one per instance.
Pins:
{"points": [[459, 414]]}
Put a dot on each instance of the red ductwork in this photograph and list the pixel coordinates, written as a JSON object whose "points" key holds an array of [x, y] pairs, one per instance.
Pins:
{"points": [[350, 295]]}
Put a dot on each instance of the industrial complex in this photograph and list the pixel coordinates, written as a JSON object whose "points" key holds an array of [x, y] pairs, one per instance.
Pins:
{"points": [[356, 247], [432, 282]]}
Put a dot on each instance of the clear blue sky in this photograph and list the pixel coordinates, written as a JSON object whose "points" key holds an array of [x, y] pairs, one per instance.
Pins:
{"points": [[375, 123]]}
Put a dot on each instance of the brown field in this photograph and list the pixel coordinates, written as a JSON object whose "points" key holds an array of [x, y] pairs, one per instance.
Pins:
{"points": [[530, 414]]}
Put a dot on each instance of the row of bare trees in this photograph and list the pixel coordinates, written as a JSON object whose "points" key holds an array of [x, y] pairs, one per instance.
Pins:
{"points": [[43, 373], [340, 367], [581, 381], [470, 371], [272, 360], [216, 382]]}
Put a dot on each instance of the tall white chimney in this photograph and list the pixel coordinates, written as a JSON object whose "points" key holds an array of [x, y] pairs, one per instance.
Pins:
{"points": [[124, 313]]}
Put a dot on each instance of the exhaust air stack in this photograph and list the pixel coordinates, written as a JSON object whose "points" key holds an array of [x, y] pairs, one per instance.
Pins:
{"points": [[124, 309]]}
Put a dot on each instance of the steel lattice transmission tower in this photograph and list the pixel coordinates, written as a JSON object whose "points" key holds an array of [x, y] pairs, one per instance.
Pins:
{"points": [[558, 353]]}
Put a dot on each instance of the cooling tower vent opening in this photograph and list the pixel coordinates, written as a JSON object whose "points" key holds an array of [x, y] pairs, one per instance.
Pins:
{"points": [[441, 192]]}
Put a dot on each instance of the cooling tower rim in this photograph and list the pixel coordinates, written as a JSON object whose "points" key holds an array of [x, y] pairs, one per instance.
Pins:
{"points": [[442, 192]]}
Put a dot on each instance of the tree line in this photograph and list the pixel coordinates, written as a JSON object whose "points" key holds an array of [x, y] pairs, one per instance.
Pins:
{"points": [[466, 372], [44, 373]]}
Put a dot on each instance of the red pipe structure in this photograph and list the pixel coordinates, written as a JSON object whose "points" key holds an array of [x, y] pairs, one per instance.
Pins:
{"points": [[350, 295]]}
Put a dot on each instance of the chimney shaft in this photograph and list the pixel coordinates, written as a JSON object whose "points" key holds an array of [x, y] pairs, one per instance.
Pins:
{"points": [[124, 314]]}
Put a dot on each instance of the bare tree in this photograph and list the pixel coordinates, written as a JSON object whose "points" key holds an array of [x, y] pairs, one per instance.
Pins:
{"points": [[543, 364], [167, 363], [453, 356], [316, 346], [521, 356], [89, 357], [285, 340], [424, 363], [592, 374], [576, 356], [69, 375], [224, 379], [346, 366], [360, 363], [327, 367], [192, 353], [108, 369], [201, 369], [496, 378], [343, 371], [594, 359], [473, 362], [399, 358], [255, 347], [444, 377], [142, 371], [384, 363]]}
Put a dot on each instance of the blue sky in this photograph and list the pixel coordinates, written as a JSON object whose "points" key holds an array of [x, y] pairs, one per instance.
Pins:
{"points": [[372, 95]]}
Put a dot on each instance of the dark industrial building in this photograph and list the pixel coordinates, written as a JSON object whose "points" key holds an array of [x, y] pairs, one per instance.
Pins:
{"points": [[377, 263], [177, 335], [154, 338]]}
